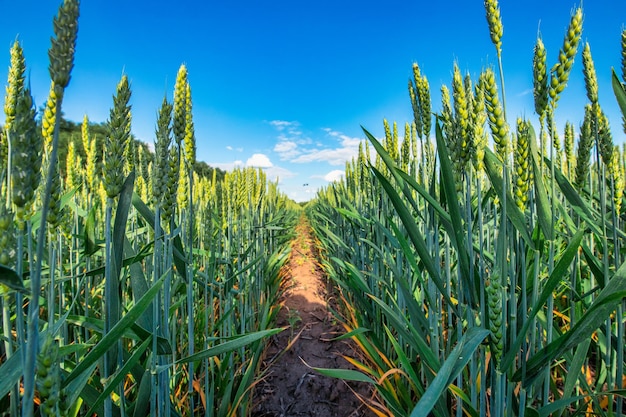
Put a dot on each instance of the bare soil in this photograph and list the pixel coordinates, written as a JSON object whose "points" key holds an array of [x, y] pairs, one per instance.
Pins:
{"points": [[290, 386]]}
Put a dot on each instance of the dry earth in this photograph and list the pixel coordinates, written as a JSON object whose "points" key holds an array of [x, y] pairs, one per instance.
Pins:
{"points": [[290, 387]]}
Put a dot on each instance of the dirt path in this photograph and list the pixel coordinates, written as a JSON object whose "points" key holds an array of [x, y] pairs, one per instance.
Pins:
{"points": [[291, 388]]}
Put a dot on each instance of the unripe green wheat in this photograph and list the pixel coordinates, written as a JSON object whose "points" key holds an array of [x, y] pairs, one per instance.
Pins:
{"points": [[521, 166], [117, 139], [569, 148], [495, 23], [540, 78], [447, 118], [180, 104], [413, 164], [495, 115], [173, 174], [190, 134], [479, 117], [92, 177], [423, 95], [48, 377], [15, 84], [84, 134], [182, 197], [102, 194], [161, 147], [559, 74], [7, 236], [143, 159], [419, 93], [589, 70], [618, 180], [25, 153], [494, 300], [391, 140], [605, 139], [61, 52], [413, 97], [461, 121], [55, 212], [14, 89], [73, 177], [91, 174], [395, 145], [585, 143], [468, 86], [4, 148], [131, 155], [47, 123], [142, 175], [405, 149], [150, 181]]}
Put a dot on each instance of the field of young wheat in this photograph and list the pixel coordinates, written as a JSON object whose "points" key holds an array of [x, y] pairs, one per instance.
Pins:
{"points": [[131, 284], [480, 266], [482, 269]]}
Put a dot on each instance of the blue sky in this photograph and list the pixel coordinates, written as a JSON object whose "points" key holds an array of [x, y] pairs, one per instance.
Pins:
{"points": [[286, 85]]}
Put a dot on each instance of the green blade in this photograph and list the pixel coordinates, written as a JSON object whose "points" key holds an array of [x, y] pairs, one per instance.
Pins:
{"points": [[231, 345], [453, 365], [116, 332], [620, 93], [604, 304], [11, 279]]}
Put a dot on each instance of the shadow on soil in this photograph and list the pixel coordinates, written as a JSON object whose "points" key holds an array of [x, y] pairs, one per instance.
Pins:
{"points": [[291, 388]]}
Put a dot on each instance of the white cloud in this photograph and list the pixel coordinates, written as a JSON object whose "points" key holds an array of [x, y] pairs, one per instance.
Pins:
{"points": [[259, 160], [281, 125], [348, 149], [349, 142], [345, 139], [290, 139], [334, 157], [285, 146], [229, 148], [334, 175]]}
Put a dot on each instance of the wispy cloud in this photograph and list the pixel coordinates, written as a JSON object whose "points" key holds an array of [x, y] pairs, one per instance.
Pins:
{"points": [[290, 139], [334, 157], [348, 148], [344, 139], [525, 92], [286, 149], [230, 148], [282, 124]]}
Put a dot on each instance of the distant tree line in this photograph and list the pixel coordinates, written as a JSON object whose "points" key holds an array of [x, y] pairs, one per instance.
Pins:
{"points": [[71, 131]]}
